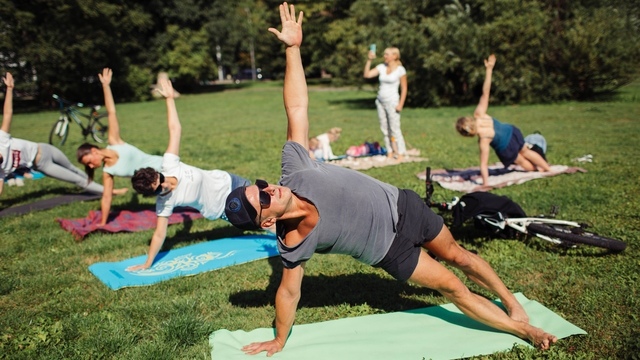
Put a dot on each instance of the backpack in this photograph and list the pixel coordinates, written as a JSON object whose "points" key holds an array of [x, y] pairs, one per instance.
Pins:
{"points": [[476, 205], [375, 148]]}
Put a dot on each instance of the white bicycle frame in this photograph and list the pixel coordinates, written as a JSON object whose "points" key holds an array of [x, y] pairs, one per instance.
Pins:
{"points": [[61, 127], [520, 224]]}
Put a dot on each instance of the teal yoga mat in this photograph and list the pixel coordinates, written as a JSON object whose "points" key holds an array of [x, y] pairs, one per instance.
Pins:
{"points": [[186, 261], [436, 332]]}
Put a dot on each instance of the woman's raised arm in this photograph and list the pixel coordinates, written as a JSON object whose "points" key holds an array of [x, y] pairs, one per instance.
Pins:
{"points": [[483, 105], [113, 136]]}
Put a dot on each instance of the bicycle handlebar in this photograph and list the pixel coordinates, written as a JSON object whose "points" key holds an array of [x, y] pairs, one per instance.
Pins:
{"points": [[443, 205], [66, 103]]}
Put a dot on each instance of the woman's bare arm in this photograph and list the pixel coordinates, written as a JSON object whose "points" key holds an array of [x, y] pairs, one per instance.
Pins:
{"points": [[483, 105]]}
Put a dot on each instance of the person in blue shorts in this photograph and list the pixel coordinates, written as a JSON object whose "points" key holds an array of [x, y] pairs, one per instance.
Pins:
{"points": [[323, 208], [505, 139]]}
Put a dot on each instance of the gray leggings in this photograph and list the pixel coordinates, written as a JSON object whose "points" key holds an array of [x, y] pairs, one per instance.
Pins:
{"points": [[55, 164]]}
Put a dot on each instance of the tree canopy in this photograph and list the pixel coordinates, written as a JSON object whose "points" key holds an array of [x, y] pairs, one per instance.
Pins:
{"points": [[547, 50]]}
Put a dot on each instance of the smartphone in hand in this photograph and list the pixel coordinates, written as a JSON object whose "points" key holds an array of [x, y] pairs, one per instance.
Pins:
{"points": [[372, 48]]}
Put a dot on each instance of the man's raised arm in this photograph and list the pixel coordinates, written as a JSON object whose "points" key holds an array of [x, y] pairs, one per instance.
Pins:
{"points": [[296, 98]]}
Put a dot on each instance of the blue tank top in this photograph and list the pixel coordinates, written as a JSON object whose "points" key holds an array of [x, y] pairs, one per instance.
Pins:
{"points": [[502, 135]]}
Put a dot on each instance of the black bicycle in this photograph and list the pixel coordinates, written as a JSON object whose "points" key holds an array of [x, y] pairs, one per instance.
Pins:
{"points": [[560, 232], [71, 111]]}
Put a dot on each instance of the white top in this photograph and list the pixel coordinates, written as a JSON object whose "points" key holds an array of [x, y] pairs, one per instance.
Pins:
{"points": [[203, 190], [325, 147], [389, 83], [15, 153]]}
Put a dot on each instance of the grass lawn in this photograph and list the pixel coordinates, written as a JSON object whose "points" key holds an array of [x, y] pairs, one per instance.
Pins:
{"points": [[52, 307]]}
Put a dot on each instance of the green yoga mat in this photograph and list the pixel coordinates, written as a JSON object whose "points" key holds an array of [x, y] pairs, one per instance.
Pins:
{"points": [[436, 332]]}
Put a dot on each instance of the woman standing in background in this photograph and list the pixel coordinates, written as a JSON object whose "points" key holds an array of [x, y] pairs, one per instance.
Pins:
{"points": [[392, 76]]}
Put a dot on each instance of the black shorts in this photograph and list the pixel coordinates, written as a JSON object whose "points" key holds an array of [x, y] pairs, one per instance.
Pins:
{"points": [[417, 224], [510, 153]]}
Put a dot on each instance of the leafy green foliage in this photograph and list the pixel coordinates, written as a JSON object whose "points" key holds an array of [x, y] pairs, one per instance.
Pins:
{"points": [[189, 58], [547, 50]]}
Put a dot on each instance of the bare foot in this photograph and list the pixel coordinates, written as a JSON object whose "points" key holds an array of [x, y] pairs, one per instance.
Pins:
{"points": [[389, 154], [541, 339], [400, 158], [121, 191]]}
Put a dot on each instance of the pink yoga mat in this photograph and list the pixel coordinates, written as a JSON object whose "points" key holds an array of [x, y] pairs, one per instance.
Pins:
{"points": [[123, 221]]}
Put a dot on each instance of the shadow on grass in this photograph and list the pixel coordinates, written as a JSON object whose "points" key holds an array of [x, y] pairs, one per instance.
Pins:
{"points": [[351, 289], [355, 103], [185, 235], [190, 88], [203, 89]]}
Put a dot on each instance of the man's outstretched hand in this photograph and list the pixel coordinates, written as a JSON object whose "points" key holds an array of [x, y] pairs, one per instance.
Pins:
{"points": [[291, 33]]}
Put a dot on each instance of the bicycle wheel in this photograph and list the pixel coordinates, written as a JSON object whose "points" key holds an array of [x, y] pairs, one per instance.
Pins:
{"points": [[59, 132], [576, 235], [99, 130]]}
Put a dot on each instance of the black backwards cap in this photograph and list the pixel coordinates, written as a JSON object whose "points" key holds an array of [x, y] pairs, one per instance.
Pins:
{"points": [[239, 210]]}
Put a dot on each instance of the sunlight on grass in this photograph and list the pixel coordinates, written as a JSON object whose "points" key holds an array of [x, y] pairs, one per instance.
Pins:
{"points": [[53, 308]]}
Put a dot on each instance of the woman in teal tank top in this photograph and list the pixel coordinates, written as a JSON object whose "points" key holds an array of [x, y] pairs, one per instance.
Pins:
{"points": [[505, 139], [117, 159]]}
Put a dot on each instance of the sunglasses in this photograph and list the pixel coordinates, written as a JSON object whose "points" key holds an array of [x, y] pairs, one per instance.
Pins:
{"points": [[158, 189], [265, 198]]}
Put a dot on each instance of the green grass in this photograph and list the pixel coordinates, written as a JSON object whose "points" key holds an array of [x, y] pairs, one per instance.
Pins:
{"points": [[52, 307]]}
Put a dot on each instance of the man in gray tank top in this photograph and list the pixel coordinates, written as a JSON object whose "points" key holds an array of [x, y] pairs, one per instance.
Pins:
{"points": [[322, 208]]}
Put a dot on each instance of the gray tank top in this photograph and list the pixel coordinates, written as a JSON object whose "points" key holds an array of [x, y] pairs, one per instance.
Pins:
{"points": [[357, 213]]}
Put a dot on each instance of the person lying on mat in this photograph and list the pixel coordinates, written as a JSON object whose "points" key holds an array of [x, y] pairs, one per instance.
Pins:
{"points": [[179, 184], [118, 158], [45, 158], [313, 210], [505, 139]]}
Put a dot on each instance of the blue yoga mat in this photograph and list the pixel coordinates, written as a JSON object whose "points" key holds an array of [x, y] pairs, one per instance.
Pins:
{"points": [[187, 261], [37, 175]]}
